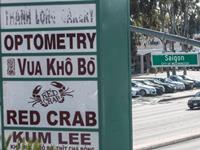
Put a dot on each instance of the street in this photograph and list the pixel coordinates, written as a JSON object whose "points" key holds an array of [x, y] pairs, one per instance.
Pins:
{"points": [[191, 144], [156, 123]]}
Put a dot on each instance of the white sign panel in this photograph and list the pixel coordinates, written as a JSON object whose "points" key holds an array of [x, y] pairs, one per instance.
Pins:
{"points": [[48, 16], [49, 41], [50, 66], [61, 140], [63, 104]]}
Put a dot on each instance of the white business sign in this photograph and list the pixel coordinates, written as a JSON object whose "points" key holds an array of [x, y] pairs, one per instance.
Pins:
{"points": [[49, 41], [60, 140], [50, 66], [48, 16], [63, 104], [49, 71]]}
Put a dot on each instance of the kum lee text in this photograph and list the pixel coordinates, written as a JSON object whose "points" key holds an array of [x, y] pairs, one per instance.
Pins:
{"points": [[70, 138]]}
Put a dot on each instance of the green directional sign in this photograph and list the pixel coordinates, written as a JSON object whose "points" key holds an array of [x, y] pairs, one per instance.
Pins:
{"points": [[175, 59]]}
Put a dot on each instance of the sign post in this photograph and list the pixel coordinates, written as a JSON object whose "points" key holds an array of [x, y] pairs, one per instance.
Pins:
{"points": [[61, 63], [174, 59]]}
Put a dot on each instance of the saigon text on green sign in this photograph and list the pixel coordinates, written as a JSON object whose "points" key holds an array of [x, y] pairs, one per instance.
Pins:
{"points": [[174, 59]]}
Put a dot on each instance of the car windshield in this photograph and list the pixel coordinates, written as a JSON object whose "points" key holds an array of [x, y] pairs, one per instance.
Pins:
{"points": [[197, 95], [180, 78], [168, 80], [147, 82], [137, 83], [177, 78], [133, 84], [162, 80], [157, 81], [186, 77]]}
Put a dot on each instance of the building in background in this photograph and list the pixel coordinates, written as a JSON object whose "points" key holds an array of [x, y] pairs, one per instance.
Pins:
{"points": [[148, 45]]}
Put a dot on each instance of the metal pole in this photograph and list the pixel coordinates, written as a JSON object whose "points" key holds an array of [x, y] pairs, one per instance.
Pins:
{"points": [[165, 36]]}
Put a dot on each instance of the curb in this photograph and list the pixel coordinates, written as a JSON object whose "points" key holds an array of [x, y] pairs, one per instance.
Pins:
{"points": [[170, 142], [174, 98]]}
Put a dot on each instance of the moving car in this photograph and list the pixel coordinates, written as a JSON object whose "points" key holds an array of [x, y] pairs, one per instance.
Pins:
{"points": [[188, 84], [144, 89], [194, 101]]}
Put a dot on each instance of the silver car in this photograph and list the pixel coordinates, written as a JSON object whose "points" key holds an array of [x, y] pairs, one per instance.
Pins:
{"points": [[135, 92], [144, 89]]}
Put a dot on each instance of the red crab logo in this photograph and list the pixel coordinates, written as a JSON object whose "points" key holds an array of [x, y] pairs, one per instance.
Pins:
{"points": [[50, 96]]}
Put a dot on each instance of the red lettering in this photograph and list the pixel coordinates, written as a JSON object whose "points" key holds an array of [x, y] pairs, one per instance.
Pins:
{"points": [[71, 36], [85, 139], [73, 138], [50, 120], [23, 117], [64, 118], [18, 41], [81, 66], [81, 40], [91, 39], [34, 118], [28, 37], [60, 41], [50, 66], [8, 42], [43, 137], [78, 119], [38, 41], [91, 119], [50, 41], [17, 136], [11, 117]]}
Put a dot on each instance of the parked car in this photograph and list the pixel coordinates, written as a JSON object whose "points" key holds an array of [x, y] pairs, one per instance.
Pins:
{"points": [[159, 88], [169, 88], [179, 85], [194, 101], [144, 89], [196, 82], [160, 79], [135, 92], [188, 84]]}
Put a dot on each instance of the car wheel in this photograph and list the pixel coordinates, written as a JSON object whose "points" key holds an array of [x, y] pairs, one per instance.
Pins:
{"points": [[143, 92], [191, 107]]}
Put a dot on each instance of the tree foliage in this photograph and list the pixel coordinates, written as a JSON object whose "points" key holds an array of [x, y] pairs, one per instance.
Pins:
{"points": [[177, 14], [180, 17]]}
